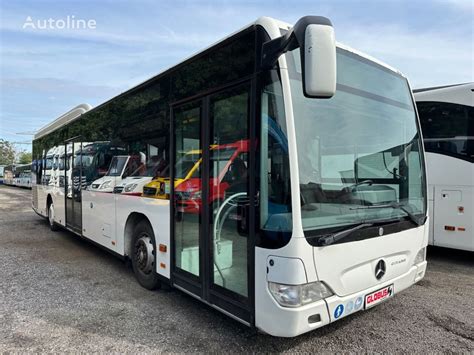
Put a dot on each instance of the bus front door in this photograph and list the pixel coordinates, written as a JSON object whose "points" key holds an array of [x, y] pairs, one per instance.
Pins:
{"points": [[211, 229]]}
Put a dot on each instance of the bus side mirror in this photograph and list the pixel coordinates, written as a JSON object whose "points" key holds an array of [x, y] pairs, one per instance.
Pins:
{"points": [[314, 35], [319, 61]]}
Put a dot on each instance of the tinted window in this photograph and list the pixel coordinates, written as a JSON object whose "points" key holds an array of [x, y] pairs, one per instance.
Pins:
{"points": [[447, 129]]}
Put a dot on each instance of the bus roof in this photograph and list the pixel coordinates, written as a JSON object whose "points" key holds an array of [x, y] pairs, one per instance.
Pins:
{"points": [[272, 26], [462, 94]]}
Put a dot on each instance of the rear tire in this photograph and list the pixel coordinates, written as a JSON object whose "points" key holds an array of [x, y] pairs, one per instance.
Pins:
{"points": [[144, 256], [52, 225]]}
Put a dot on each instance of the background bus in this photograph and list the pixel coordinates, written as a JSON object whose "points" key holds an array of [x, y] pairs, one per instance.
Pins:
{"points": [[447, 120], [312, 208], [18, 175], [22, 176], [9, 175]]}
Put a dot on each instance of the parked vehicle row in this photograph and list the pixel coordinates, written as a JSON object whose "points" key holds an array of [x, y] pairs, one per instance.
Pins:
{"points": [[17, 175]]}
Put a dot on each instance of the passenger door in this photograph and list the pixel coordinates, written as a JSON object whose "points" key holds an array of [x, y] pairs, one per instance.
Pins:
{"points": [[73, 186], [211, 228]]}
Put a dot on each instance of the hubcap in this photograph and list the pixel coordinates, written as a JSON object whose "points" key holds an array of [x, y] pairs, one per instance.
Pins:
{"points": [[144, 254]]}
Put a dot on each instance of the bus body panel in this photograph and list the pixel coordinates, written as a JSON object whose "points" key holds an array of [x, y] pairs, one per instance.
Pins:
{"points": [[59, 201], [98, 218], [451, 197], [449, 160], [276, 320], [350, 272], [157, 212], [105, 217]]}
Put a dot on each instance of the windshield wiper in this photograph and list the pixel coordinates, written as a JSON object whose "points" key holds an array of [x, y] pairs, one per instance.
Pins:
{"points": [[398, 206], [333, 238]]}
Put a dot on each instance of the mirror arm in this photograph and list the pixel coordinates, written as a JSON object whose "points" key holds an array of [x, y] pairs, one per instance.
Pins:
{"points": [[272, 50]]}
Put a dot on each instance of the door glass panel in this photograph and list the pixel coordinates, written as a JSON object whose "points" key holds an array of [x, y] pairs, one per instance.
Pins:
{"points": [[228, 189], [68, 183], [187, 184], [73, 184]]}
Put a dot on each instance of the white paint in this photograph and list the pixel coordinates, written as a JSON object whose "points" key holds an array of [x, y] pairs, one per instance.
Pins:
{"points": [[450, 181], [320, 61]]}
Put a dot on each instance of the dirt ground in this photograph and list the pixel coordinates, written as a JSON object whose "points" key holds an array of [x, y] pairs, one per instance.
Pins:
{"points": [[60, 293]]}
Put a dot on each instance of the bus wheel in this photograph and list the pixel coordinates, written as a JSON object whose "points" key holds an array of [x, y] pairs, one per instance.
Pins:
{"points": [[144, 256], [52, 225]]}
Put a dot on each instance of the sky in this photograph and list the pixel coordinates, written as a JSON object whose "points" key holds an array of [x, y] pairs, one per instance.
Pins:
{"points": [[46, 72]]}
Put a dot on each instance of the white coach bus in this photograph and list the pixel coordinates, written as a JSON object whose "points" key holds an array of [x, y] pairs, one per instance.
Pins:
{"points": [[447, 121], [308, 202]]}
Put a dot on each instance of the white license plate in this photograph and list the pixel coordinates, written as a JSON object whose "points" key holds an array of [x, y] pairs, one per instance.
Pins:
{"points": [[378, 296]]}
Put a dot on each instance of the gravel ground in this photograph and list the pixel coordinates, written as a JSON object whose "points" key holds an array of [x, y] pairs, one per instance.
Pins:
{"points": [[60, 293]]}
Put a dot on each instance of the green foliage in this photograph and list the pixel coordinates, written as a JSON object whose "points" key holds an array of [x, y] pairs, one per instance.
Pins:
{"points": [[7, 152], [24, 158]]}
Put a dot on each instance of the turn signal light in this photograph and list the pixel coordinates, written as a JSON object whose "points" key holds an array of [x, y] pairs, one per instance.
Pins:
{"points": [[162, 248], [450, 228]]}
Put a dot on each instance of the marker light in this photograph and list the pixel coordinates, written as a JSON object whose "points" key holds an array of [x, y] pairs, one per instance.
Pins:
{"points": [[420, 257], [298, 295]]}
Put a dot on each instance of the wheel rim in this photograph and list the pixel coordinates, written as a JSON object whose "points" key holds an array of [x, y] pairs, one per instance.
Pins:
{"points": [[51, 215], [144, 254]]}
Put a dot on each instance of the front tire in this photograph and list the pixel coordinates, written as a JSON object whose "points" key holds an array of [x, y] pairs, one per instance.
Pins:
{"points": [[52, 225], [144, 256]]}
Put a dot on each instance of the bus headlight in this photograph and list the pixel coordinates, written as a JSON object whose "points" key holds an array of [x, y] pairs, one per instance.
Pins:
{"points": [[298, 295], [420, 257], [130, 187], [105, 185]]}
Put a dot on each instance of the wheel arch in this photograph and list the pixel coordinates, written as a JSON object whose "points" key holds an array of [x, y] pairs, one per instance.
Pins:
{"points": [[133, 220], [49, 201]]}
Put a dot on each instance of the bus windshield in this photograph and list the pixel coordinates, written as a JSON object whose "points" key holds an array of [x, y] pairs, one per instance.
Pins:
{"points": [[117, 165], [84, 160], [359, 153]]}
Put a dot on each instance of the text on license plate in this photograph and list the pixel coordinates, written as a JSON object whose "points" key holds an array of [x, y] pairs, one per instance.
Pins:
{"points": [[378, 296]]}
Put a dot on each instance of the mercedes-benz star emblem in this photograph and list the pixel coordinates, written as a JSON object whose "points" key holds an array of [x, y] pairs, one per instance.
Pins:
{"points": [[380, 269]]}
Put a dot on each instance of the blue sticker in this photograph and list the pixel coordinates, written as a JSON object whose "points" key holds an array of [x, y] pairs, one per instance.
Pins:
{"points": [[358, 303], [349, 306], [338, 311]]}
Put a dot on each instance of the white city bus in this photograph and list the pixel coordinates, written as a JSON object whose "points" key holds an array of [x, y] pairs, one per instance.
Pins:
{"points": [[309, 201], [447, 120], [22, 176]]}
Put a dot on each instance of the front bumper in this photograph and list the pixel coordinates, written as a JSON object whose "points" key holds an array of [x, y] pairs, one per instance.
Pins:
{"points": [[289, 322]]}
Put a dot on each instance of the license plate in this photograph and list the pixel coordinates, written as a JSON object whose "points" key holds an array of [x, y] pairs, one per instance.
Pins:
{"points": [[378, 296]]}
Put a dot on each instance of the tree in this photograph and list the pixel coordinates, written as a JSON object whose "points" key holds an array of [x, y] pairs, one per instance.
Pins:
{"points": [[24, 158], [7, 152]]}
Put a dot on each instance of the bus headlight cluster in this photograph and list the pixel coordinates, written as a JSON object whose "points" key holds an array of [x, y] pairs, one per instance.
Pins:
{"points": [[130, 187], [105, 185], [299, 295], [420, 257]]}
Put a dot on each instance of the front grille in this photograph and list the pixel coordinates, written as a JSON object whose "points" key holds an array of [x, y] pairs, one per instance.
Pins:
{"points": [[118, 189], [149, 191]]}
